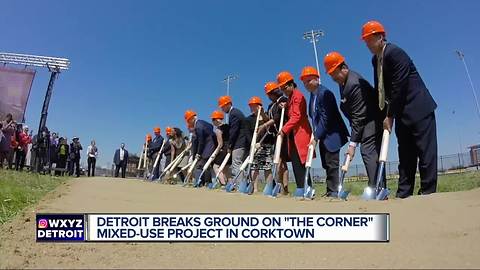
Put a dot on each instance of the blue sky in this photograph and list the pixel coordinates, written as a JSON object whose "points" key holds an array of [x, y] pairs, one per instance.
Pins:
{"points": [[137, 64]]}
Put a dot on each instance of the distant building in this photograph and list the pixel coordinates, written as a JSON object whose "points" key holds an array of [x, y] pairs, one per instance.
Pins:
{"points": [[132, 165], [475, 155]]}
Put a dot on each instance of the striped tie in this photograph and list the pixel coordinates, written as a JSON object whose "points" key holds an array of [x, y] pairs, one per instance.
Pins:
{"points": [[381, 88]]}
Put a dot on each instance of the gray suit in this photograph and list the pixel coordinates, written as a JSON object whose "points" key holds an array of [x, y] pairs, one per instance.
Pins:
{"points": [[359, 103]]}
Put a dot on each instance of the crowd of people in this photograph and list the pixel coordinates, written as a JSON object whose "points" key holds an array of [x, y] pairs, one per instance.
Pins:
{"points": [[398, 96], [42, 153]]}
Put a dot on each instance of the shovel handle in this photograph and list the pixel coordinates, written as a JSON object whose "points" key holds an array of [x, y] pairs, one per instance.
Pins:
{"points": [[145, 158], [254, 137], [278, 143], [140, 159], [384, 148], [180, 158], [311, 150], [222, 166], [345, 166], [192, 166], [210, 159], [157, 159], [244, 164]]}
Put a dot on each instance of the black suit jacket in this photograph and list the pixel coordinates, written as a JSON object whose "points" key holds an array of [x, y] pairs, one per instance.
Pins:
{"points": [[408, 97], [238, 129], [359, 103]]}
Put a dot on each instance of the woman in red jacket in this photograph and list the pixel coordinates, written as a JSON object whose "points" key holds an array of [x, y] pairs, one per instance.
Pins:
{"points": [[24, 140], [297, 129]]}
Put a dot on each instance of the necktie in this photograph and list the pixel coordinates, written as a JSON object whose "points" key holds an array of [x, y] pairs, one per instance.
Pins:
{"points": [[381, 88]]}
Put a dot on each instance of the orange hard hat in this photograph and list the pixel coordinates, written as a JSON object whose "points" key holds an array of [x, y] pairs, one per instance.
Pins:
{"points": [[255, 100], [283, 78], [189, 114], [148, 137], [217, 115], [156, 129], [372, 27], [168, 130], [270, 86], [309, 71], [332, 60], [224, 100]]}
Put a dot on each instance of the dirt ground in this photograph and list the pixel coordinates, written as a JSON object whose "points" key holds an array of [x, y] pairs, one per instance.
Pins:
{"points": [[436, 231]]}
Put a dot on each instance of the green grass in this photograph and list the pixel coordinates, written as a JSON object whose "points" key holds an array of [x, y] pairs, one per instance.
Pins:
{"points": [[446, 183], [19, 190]]}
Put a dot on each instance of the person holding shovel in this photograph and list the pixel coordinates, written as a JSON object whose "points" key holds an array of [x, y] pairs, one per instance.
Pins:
{"points": [[359, 104], [237, 144], [263, 157], [405, 98], [329, 129], [274, 112], [297, 129], [203, 144], [154, 150], [221, 130]]}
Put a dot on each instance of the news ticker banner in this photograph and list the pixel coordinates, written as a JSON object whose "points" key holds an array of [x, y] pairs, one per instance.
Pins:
{"points": [[213, 227]]}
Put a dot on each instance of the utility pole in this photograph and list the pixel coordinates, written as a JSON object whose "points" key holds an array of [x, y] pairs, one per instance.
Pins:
{"points": [[227, 80], [462, 58], [313, 36]]}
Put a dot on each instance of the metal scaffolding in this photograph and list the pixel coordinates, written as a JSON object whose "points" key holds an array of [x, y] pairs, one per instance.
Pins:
{"points": [[54, 64]]}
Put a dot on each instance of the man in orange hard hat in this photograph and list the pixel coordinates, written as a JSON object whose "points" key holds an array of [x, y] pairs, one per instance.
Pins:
{"points": [[203, 144], [154, 150], [329, 130], [359, 104], [238, 140], [404, 96]]}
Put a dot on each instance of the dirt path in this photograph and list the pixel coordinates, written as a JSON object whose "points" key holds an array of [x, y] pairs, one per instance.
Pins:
{"points": [[437, 231]]}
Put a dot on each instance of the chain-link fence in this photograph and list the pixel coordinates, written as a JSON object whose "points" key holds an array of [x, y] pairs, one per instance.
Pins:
{"points": [[446, 164], [454, 163]]}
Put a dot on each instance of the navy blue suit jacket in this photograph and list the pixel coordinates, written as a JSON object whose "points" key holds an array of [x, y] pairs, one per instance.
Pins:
{"points": [[204, 139], [328, 125], [408, 97], [116, 157], [156, 144]]}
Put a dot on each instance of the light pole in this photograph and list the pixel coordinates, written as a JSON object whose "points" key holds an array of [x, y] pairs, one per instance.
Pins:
{"points": [[313, 36], [227, 80], [462, 58]]}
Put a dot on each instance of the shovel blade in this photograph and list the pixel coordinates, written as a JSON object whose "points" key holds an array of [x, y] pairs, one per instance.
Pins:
{"points": [[242, 187], [213, 185], [299, 192], [268, 190], [310, 193], [229, 187], [249, 189], [368, 194], [343, 194], [383, 194], [198, 179], [276, 190]]}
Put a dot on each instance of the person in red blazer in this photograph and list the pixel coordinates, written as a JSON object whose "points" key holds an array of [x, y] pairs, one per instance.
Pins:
{"points": [[297, 129]]}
